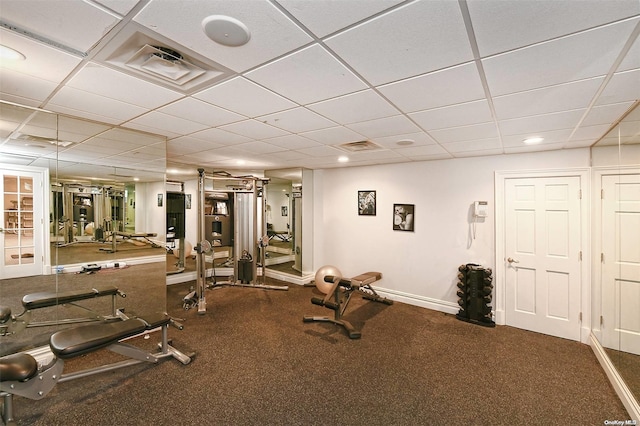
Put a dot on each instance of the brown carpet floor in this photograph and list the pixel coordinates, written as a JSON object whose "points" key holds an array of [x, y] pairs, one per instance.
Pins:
{"points": [[257, 363]]}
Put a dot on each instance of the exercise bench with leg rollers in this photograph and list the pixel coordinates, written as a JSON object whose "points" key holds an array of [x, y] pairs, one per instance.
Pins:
{"points": [[33, 374], [338, 290], [10, 324]]}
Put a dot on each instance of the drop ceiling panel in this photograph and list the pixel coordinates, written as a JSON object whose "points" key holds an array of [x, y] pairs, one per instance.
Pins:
{"points": [[606, 114], [541, 123], [120, 6], [292, 142], [546, 100], [169, 125], [474, 145], [258, 147], [362, 106], [418, 139], [453, 116], [465, 133], [632, 59], [398, 124], [333, 135], [94, 107], [24, 89], [550, 137], [201, 112], [307, 76], [297, 120], [417, 38], [423, 151], [272, 33], [254, 129], [188, 145], [220, 136], [75, 23], [505, 25], [584, 55], [623, 86], [588, 133], [245, 97], [435, 90], [103, 81], [322, 151], [324, 17]]}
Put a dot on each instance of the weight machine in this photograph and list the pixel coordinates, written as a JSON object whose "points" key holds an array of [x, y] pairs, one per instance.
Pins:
{"points": [[242, 194]]}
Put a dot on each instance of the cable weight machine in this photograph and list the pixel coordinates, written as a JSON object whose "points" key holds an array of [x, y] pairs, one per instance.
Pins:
{"points": [[242, 193]]}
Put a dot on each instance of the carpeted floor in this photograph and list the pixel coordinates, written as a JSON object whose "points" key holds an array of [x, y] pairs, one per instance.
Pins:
{"points": [[257, 363]]}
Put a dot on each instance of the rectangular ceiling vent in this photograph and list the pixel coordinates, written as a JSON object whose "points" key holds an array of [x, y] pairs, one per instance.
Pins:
{"points": [[360, 146], [142, 53]]}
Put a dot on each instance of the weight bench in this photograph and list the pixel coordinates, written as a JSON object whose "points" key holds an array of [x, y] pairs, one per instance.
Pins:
{"points": [[10, 324], [33, 374], [130, 236], [339, 294]]}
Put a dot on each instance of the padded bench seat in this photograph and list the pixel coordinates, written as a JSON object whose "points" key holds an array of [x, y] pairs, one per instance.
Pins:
{"points": [[76, 341], [17, 367], [46, 299]]}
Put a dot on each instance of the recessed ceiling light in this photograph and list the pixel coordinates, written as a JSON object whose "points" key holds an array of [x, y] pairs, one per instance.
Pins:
{"points": [[241, 162], [533, 140], [226, 30], [343, 159], [405, 142], [11, 54]]}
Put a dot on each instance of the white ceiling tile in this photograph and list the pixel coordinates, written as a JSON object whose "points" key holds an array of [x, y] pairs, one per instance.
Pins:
{"points": [[591, 133], [221, 137], [324, 17], [120, 6], [77, 24], [550, 137], [322, 151], [297, 120], [623, 86], [166, 124], [418, 139], [546, 100], [541, 123], [414, 39], [584, 55], [24, 89], [272, 33], [436, 89], [71, 129], [292, 142], [307, 76], [254, 129], [88, 105], [384, 154], [290, 155], [518, 149], [473, 145], [422, 150], [632, 59], [109, 83], [201, 112], [465, 133], [258, 147], [453, 116], [505, 25], [482, 153], [189, 145], [333, 135], [605, 114], [245, 97], [388, 126], [360, 106]]}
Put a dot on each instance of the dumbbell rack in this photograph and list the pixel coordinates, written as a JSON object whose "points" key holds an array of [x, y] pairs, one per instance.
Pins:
{"points": [[474, 292]]}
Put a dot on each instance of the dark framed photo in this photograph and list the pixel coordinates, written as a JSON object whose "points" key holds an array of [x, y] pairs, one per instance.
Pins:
{"points": [[403, 217], [187, 201], [284, 211], [367, 203], [160, 197]]}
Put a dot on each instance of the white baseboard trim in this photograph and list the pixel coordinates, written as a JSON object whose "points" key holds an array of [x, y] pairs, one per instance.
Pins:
{"points": [[293, 279], [423, 302], [625, 395], [77, 267]]}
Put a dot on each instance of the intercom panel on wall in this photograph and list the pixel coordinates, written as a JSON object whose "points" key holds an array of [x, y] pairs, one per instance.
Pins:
{"points": [[480, 208]]}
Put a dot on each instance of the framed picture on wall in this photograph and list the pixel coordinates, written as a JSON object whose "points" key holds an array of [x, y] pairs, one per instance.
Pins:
{"points": [[160, 197], [187, 201], [284, 210], [367, 203], [403, 217]]}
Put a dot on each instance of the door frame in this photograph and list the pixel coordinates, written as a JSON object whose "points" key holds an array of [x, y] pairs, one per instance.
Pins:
{"points": [[45, 195], [500, 178]]}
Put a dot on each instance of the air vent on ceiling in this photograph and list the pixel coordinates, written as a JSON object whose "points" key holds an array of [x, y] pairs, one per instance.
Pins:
{"points": [[138, 51], [359, 146]]}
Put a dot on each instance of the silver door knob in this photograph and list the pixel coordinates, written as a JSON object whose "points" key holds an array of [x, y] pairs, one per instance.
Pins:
{"points": [[511, 260]]}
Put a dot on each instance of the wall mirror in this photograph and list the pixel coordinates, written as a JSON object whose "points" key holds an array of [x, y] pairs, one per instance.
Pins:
{"points": [[616, 289], [82, 210]]}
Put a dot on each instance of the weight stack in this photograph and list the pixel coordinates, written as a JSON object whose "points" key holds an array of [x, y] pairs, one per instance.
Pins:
{"points": [[475, 285]]}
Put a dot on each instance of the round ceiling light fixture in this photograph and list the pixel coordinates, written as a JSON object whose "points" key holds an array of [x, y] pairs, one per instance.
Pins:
{"points": [[533, 140], [8, 53], [405, 142], [226, 30]]}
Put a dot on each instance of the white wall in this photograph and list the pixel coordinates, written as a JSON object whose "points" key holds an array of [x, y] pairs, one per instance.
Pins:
{"points": [[418, 267], [149, 216], [277, 198]]}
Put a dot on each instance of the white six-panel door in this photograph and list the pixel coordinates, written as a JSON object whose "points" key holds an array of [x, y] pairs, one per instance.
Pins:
{"points": [[621, 262], [542, 233]]}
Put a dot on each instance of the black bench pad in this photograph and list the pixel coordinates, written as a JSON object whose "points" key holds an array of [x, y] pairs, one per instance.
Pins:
{"points": [[71, 342], [46, 299], [17, 367]]}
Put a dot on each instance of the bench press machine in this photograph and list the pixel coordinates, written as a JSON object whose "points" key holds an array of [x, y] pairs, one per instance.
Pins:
{"points": [[338, 290], [33, 374], [10, 324]]}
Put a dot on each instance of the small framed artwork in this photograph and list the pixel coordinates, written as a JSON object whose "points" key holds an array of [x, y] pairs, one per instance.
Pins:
{"points": [[403, 215], [160, 197], [367, 203], [284, 210], [187, 201]]}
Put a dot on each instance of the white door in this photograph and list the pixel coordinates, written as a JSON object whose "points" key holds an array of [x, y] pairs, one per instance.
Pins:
{"points": [[21, 236], [621, 262], [542, 255]]}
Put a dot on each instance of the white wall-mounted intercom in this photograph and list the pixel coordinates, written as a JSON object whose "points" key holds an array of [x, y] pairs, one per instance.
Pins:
{"points": [[480, 208]]}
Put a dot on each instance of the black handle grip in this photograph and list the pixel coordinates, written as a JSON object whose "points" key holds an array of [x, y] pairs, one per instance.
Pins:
{"points": [[317, 301]]}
